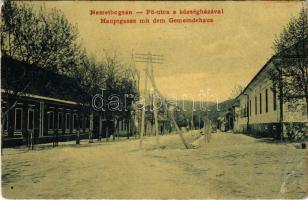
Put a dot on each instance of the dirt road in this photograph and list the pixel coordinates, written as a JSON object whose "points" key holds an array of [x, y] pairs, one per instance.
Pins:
{"points": [[230, 166]]}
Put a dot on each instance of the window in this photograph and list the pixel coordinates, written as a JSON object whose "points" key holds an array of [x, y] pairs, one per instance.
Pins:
{"points": [[274, 99], [241, 112], [51, 120], [75, 121], [256, 105], [247, 107], [60, 120], [5, 125], [245, 110], [250, 107], [18, 119], [260, 103], [68, 120], [30, 119], [266, 100]]}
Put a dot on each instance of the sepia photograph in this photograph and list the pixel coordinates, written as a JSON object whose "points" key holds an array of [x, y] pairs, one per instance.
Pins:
{"points": [[154, 99]]}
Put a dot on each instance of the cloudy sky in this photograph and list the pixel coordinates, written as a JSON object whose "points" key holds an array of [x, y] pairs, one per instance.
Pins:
{"points": [[210, 57]]}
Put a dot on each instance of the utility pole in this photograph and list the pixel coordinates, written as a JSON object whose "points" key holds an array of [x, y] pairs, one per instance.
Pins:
{"points": [[281, 105], [149, 59], [199, 121], [192, 116], [187, 146], [143, 112], [156, 121]]}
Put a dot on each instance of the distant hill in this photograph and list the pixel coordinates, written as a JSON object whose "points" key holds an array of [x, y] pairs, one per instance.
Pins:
{"points": [[197, 105], [210, 109], [223, 107]]}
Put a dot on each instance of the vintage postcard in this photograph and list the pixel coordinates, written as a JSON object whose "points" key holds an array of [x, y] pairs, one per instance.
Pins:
{"points": [[154, 99]]}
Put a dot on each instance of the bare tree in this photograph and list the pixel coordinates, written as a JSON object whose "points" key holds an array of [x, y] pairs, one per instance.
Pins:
{"points": [[237, 90], [44, 39], [89, 76], [120, 81]]}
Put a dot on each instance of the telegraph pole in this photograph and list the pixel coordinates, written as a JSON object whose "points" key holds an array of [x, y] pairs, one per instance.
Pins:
{"points": [[192, 116], [149, 59], [143, 112]]}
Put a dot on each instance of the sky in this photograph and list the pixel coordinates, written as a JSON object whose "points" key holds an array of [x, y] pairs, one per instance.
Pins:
{"points": [[208, 57]]}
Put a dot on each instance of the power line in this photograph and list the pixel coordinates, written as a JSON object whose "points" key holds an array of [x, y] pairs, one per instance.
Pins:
{"points": [[151, 59]]}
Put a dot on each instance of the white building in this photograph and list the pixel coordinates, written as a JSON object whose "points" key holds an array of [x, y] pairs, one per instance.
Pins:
{"points": [[258, 111]]}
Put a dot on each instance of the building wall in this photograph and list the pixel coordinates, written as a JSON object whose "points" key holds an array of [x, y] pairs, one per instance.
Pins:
{"points": [[263, 103], [264, 109], [240, 122], [45, 119]]}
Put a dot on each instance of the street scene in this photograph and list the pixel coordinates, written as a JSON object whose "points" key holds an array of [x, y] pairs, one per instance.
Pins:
{"points": [[154, 100]]}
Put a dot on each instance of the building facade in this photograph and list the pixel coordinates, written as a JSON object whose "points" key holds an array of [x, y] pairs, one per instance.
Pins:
{"points": [[258, 109], [47, 111], [44, 118]]}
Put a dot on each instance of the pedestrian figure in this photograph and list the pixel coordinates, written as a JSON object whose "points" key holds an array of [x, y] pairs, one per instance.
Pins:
{"points": [[32, 139], [28, 136], [91, 137], [55, 138], [99, 137]]}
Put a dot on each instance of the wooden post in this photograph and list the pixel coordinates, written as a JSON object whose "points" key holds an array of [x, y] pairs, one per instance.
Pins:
{"points": [[192, 116], [118, 128], [150, 59], [199, 122], [128, 128], [55, 127], [91, 118], [143, 109], [36, 123], [107, 134], [100, 128], [281, 105], [171, 115], [114, 128], [156, 121], [78, 116], [24, 129]]}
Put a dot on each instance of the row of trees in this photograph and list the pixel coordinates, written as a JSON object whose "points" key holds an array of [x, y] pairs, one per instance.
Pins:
{"points": [[50, 42]]}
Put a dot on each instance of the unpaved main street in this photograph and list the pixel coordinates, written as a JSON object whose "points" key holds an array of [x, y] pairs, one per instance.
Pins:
{"points": [[230, 166]]}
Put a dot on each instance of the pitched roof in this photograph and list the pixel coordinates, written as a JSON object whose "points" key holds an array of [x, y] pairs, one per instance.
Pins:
{"points": [[289, 51], [15, 75]]}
